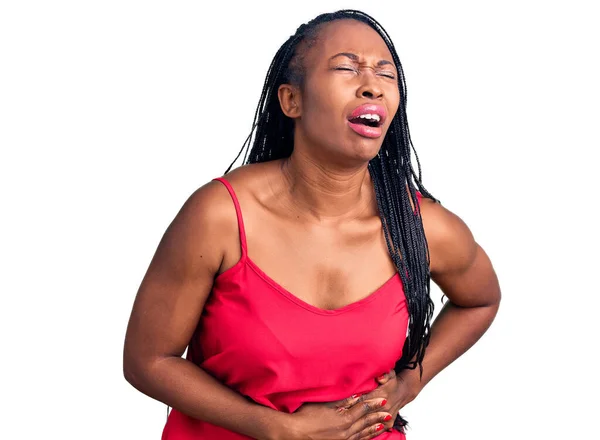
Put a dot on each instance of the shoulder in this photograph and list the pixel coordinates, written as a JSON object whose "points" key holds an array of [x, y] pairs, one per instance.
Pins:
{"points": [[207, 207], [249, 179], [452, 247], [203, 227], [212, 204], [253, 186], [210, 208]]}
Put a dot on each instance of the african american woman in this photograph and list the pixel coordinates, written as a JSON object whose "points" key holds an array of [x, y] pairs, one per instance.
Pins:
{"points": [[299, 283]]}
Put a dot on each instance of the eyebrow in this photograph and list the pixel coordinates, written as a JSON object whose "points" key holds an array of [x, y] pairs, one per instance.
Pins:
{"points": [[354, 58]]}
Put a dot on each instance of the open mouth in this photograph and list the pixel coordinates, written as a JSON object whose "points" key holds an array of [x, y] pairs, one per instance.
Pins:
{"points": [[368, 119]]}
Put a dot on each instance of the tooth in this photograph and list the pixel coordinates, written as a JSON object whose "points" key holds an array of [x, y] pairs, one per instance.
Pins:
{"points": [[370, 116]]}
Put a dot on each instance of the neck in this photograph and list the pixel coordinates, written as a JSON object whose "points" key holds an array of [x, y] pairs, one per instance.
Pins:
{"points": [[326, 192]]}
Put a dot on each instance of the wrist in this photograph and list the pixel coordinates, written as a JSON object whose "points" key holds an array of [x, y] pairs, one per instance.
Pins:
{"points": [[412, 382], [281, 426]]}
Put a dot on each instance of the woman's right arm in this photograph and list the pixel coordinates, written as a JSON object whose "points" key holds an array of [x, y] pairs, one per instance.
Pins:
{"points": [[166, 311], [165, 314]]}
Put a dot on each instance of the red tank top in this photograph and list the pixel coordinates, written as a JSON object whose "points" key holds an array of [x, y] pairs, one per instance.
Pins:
{"points": [[269, 345]]}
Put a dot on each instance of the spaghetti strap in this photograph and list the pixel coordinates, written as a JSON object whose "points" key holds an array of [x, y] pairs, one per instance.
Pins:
{"points": [[238, 212], [418, 207]]}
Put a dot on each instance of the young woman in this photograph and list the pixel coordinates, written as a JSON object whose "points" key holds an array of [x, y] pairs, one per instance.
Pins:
{"points": [[300, 281]]}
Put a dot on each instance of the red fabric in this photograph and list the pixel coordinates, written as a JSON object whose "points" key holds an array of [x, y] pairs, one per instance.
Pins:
{"points": [[267, 344]]}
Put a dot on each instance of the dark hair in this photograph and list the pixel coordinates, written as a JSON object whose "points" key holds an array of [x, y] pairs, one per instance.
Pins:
{"points": [[391, 170]]}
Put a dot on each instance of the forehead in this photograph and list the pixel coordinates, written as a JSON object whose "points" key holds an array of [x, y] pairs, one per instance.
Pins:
{"points": [[350, 36]]}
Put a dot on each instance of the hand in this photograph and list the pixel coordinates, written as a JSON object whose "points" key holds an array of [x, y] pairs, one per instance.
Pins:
{"points": [[395, 390], [346, 419]]}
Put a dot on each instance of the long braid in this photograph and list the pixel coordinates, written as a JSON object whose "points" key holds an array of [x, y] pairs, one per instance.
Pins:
{"points": [[391, 171]]}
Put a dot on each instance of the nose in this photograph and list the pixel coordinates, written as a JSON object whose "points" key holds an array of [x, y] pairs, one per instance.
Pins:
{"points": [[370, 88]]}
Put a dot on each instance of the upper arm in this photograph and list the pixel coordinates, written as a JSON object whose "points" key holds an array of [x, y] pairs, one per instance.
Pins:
{"points": [[179, 279], [458, 265]]}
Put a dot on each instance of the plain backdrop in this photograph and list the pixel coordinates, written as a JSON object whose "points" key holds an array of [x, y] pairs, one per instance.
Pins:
{"points": [[112, 113]]}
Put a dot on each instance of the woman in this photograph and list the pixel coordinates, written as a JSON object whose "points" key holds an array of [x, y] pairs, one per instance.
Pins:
{"points": [[300, 281]]}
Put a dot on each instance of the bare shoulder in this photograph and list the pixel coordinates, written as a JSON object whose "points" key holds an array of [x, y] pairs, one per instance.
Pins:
{"points": [[249, 179], [451, 243], [203, 225], [211, 205], [458, 264]]}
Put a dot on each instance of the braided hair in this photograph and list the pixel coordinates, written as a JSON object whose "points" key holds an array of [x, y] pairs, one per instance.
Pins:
{"points": [[394, 178]]}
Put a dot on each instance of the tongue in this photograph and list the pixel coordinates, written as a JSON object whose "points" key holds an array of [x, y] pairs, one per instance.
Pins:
{"points": [[361, 121]]}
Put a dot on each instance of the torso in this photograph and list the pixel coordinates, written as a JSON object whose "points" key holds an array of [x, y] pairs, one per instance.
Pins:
{"points": [[297, 316]]}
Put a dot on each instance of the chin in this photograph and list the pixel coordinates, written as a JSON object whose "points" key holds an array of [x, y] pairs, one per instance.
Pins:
{"points": [[366, 150]]}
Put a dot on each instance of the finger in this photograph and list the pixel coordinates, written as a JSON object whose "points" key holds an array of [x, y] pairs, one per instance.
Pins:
{"points": [[386, 377], [365, 407], [375, 394], [371, 432], [383, 379], [347, 402], [374, 423], [388, 426]]}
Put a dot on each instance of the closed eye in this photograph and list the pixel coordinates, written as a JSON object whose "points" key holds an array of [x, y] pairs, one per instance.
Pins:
{"points": [[351, 69], [388, 75]]}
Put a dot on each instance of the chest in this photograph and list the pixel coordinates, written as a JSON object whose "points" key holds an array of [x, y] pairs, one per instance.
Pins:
{"points": [[324, 267]]}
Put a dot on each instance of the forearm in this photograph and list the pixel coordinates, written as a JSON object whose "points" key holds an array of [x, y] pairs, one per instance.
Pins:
{"points": [[454, 331], [186, 387]]}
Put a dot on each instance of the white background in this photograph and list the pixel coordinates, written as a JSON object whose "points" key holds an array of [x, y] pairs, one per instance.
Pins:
{"points": [[112, 113]]}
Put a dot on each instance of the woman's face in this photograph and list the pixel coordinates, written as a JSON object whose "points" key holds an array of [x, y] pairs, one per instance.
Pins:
{"points": [[349, 96]]}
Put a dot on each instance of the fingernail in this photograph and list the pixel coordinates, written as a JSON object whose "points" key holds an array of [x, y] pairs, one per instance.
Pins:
{"points": [[381, 377], [354, 396], [387, 418], [379, 427], [383, 402]]}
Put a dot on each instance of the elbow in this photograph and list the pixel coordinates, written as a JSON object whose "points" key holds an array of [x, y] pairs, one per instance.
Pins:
{"points": [[132, 372], [143, 373], [494, 295], [136, 369], [130, 375], [498, 296]]}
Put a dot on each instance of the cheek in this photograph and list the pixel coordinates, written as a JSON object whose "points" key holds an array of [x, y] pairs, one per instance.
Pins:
{"points": [[325, 104], [394, 99], [393, 103], [318, 113]]}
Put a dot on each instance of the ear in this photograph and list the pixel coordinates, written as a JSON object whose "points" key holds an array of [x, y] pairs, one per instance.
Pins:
{"points": [[290, 100]]}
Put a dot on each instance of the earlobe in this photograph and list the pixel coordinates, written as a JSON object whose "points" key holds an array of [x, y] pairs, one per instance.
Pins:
{"points": [[289, 100]]}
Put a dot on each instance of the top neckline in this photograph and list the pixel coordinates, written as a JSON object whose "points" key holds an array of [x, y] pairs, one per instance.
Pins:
{"points": [[245, 259]]}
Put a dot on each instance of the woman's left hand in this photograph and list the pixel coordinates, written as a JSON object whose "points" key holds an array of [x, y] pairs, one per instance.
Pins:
{"points": [[396, 390]]}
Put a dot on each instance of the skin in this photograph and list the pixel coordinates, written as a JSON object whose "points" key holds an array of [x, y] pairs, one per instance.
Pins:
{"points": [[316, 213]]}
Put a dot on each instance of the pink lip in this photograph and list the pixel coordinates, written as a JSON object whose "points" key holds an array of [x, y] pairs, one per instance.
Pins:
{"points": [[369, 108], [365, 130]]}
